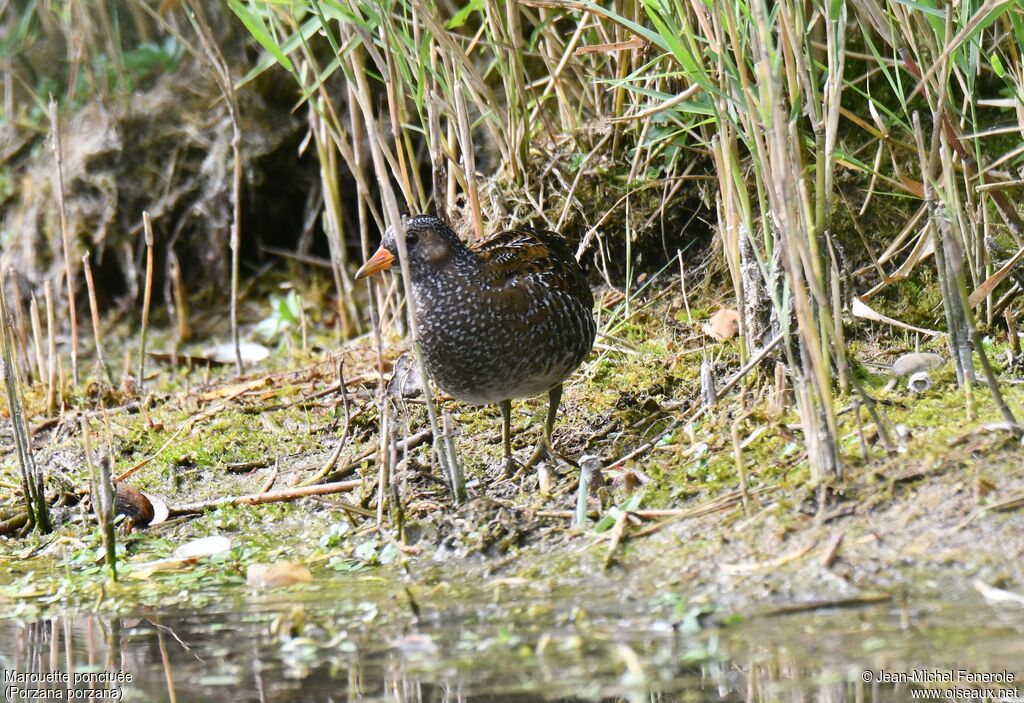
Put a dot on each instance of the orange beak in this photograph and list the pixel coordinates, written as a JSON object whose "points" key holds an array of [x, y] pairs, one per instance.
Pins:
{"points": [[380, 261]]}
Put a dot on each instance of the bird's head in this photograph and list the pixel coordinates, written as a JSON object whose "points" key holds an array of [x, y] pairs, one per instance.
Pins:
{"points": [[428, 242]]}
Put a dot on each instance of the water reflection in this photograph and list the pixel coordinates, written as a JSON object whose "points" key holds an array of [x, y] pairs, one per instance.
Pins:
{"points": [[295, 652]]}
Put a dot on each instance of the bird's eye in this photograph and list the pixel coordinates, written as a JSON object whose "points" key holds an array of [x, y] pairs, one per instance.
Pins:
{"points": [[411, 238]]}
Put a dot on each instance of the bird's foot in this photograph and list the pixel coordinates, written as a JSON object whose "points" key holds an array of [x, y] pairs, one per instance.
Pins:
{"points": [[542, 452], [516, 469], [513, 468]]}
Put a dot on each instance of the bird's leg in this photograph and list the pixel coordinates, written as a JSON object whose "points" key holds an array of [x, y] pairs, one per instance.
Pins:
{"points": [[554, 400], [506, 435], [544, 449]]}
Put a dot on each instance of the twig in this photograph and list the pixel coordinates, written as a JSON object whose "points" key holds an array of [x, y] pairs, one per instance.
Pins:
{"points": [[775, 563], [853, 602], [332, 461], [468, 157], [828, 557], [281, 496], [13, 523], [736, 378], [188, 424], [741, 468], [718, 504], [346, 469], [616, 538], [1008, 504], [269, 483]]}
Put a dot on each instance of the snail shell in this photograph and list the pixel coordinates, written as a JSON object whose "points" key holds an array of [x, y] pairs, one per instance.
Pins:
{"points": [[131, 503]]}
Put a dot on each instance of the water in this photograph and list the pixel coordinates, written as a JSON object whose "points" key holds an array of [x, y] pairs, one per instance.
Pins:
{"points": [[367, 640]]}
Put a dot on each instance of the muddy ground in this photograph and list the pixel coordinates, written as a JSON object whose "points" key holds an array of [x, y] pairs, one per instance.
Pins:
{"points": [[939, 515]]}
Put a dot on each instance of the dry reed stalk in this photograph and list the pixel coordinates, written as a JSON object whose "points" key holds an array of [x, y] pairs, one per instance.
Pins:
{"points": [[481, 93], [69, 272], [385, 442], [451, 127], [438, 163], [333, 220], [304, 329], [458, 476], [95, 312], [51, 351], [1011, 331], [102, 498], [165, 659], [32, 485], [147, 296], [37, 340], [468, 159], [395, 102], [179, 299], [222, 76], [363, 94], [24, 358], [955, 262], [796, 228], [554, 82], [959, 348], [730, 231], [741, 465]]}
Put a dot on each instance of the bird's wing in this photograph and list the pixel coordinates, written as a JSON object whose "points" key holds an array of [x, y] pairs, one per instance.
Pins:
{"points": [[518, 261]]}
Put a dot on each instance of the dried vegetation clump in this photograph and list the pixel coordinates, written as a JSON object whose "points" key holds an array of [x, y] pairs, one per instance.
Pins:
{"points": [[165, 150]]}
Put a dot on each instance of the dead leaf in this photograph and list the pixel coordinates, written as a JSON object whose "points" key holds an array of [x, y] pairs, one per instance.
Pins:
{"points": [[914, 187], [234, 390], [723, 325], [990, 283], [146, 569], [633, 43], [186, 554], [203, 547], [862, 310], [279, 575]]}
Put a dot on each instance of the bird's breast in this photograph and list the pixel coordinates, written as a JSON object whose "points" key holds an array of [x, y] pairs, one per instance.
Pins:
{"points": [[480, 351]]}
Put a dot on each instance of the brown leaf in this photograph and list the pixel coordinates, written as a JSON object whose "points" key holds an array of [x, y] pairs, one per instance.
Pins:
{"points": [[234, 390], [279, 575], [723, 325], [914, 187]]}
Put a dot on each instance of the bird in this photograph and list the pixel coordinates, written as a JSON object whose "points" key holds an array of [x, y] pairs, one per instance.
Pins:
{"points": [[510, 316]]}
